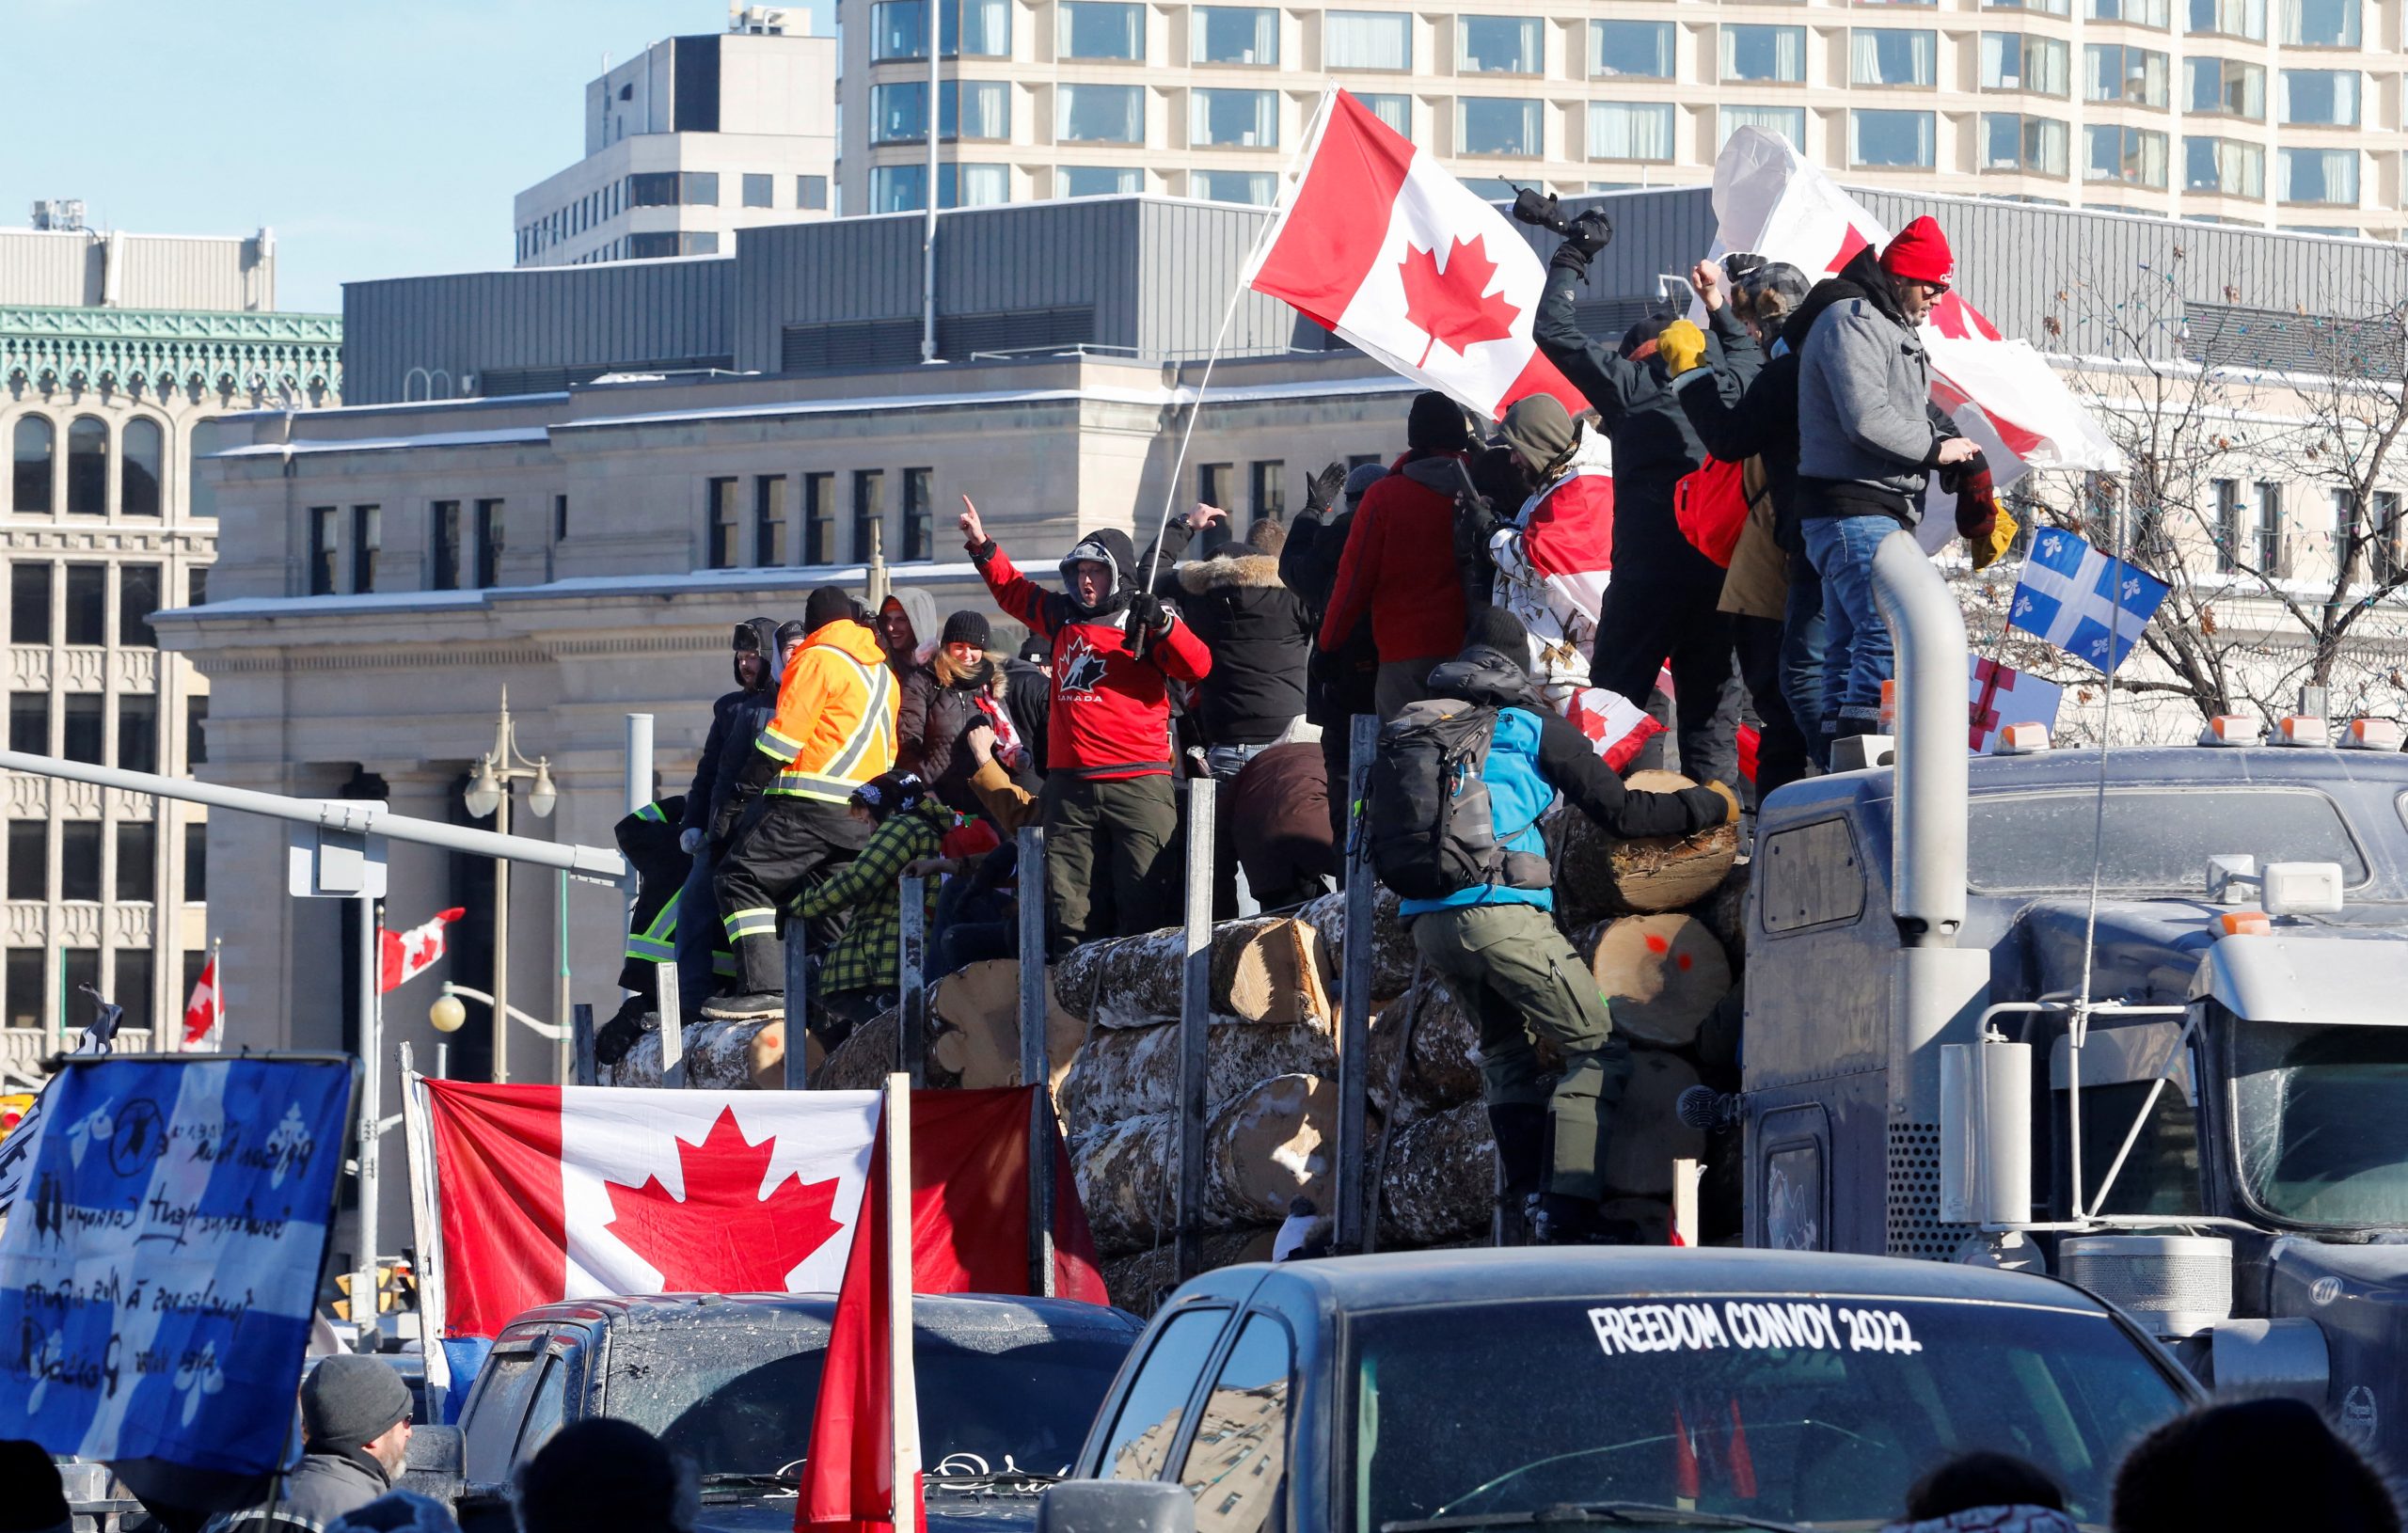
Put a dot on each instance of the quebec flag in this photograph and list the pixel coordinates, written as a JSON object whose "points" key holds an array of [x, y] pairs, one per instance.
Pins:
{"points": [[158, 1273], [2083, 601]]}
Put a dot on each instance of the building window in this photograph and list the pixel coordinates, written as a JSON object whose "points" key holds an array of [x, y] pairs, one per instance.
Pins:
{"points": [[83, 738], [2228, 525], [25, 992], [819, 519], [2317, 175], [653, 189], [975, 109], [1630, 131], [490, 532], [1764, 54], [28, 878], [366, 542], [1789, 122], [1233, 35], [811, 192], [2035, 145], [36, 443], [651, 246], [900, 29], [2383, 550], [1631, 50], [1267, 487], [2154, 13], [79, 862], [2321, 23], [321, 550], [1368, 39], [2326, 97], [898, 113], [87, 600], [725, 526], [2229, 19], [2266, 532], [1501, 45], [1215, 484], [2223, 165], [698, 188], [1255, 188], [1099, 181], [138, 857], [87, 466], [80, 966], [919, 514], [1233, 118], [196, 862], [195, 735], [137, 732], [756, 191], [1892, 57], [769, 520], [1096, 29], [197, 586], [2227, 87], [2044, 8], [2135, 156], [29, 602], [903, 188], [446, 517], [131, 986], [1396, 111], [1500, 125], [29, 723], [869, 512], [141, 451], [137, 597], [1880, 139], [2115, 72], [1087, 114], [2036, 66]]}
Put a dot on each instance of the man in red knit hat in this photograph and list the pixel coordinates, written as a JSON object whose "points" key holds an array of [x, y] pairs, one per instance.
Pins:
{"points": [[1868, 439]]}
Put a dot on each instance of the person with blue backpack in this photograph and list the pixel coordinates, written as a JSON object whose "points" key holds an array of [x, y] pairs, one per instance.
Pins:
{"points": [[1457, 790]]}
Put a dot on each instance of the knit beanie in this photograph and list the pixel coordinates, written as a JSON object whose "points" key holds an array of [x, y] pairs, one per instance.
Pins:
{"points": [[1920, 254], [1435, 424], [966, 627], [1540, 428], [791, 632], [601, 1472], [1361, 478], [826, 606], [1492, 627], [350, 1400]]}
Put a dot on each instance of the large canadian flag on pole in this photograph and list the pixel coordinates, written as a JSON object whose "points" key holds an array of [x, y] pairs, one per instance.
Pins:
{"points": [[1376, 243]]}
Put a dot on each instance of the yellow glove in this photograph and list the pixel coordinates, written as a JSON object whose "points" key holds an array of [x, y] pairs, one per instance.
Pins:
{"points": [[1723, 791], [1681, 346], [1986, 551]]}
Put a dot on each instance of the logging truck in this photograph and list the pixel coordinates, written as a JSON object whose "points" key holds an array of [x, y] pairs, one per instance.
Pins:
{"points": [[2138, 1019]]}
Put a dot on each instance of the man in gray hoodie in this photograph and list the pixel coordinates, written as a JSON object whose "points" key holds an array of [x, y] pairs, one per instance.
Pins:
{"points": [[1867, 442]]}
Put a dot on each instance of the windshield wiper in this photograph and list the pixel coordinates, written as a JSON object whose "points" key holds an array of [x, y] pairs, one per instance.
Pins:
{"points": [[1615, 1513], [787, 1479], [1002, 1479]]}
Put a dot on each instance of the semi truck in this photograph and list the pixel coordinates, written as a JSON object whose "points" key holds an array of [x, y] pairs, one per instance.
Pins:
{"points": [[2136, 1017]]}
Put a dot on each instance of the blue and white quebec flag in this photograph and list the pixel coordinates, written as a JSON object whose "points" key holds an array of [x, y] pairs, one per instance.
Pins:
{"points": [[2081, 600], [158, 1273]]}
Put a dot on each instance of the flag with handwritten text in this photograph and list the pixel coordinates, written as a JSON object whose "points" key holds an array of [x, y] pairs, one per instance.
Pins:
{"points": [[157, 1276]]}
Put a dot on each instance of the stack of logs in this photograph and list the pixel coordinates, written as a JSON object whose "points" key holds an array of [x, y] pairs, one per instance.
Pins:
{"points": [[1658, 923]]}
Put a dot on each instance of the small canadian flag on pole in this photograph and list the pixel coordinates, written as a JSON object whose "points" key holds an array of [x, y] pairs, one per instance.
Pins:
{"points": [[409, 954], [205, 1012]]}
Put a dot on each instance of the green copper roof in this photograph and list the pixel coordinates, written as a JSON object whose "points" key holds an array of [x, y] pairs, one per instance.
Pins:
{"points": [[169, 348]]}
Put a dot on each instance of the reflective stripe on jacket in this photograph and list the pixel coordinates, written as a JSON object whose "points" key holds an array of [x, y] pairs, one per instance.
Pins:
{"points": [[834, 727]]}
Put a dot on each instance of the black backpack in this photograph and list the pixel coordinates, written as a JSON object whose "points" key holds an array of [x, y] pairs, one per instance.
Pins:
{"points": [[1430, 831]]}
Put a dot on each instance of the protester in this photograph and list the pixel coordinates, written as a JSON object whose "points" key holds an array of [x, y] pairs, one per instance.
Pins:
{"points": [[1028, 695], [941, 701], [737, 717], [397, 1511], [977, 906], [36, 1500], [1743, 402], [2249, 1465], [1555, 555], [1985, 1492], [1399, 565], [857, 976], [605, 1473], [648, 840], [1110, 810], [1502, 484], [1663, 605], [1342, 681], [1497, 945], [355, 1433], [1277, 820], [905, 619], [1867, 443], [833, 730]]}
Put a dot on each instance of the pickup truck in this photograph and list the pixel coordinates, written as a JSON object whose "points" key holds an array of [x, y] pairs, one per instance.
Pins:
{"points": [[1007, 1387], [1427, 1391]]}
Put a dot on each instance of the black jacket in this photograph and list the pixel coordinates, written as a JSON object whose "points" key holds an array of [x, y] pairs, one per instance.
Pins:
{"points": [[1338, 683], [939, 704], [1566, 758], [1749, 406], [1260, 635], [648, 840], [738, 715], [1028, 692], [327, 1484]]}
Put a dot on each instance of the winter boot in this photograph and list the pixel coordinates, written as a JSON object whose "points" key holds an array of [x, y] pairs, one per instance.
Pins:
{"points": [[760, 1005], [1520, 1130]]}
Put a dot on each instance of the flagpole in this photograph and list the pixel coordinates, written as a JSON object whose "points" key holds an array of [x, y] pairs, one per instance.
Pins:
{"points": [[902, 1387], [217, 987], [418, 1142]]}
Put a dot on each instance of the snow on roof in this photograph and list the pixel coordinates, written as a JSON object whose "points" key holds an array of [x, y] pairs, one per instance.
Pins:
{"points": [[677, 583], [500, 437]]}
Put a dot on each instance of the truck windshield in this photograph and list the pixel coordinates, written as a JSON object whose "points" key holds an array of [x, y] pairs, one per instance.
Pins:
{"points": [[2158, 840], [1772, 1407], [2318, 1111], [740, 1401]]}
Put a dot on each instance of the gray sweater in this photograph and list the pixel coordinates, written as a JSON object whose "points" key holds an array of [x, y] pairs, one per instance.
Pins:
{"points": [[1863, 385]]}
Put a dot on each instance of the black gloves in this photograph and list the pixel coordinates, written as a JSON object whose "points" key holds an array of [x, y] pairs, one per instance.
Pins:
{"points": [[1321, 491], [1146, 614], [1588, 235]]}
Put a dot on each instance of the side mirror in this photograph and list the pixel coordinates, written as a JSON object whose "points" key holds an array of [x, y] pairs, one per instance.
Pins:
{"points": [[431, 1467], [1986, 1132], [1115, 1506]]}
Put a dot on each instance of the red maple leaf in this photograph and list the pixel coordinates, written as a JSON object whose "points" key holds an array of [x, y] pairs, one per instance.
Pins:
{"points": [[1454, 305], [725, 1236]]}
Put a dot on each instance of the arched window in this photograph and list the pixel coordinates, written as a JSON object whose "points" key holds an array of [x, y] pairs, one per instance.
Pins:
{"points": [[138, 469], [36, 441], [87, 466]]}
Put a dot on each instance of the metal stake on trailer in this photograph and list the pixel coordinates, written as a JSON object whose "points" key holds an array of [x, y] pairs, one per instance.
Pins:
{"points": [[1035, 1065], [372, 1105], [418, 1145], [1194, 1015], [798, 1067], [911, 980], [1354, 994], [583, 1070], [673, 1024]]}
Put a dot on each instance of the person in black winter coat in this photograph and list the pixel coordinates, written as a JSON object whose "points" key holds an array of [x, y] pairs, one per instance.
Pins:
{"points": [[941, 701], [1665, 597], [1028, 696], [737, 720], [1341, 683]]}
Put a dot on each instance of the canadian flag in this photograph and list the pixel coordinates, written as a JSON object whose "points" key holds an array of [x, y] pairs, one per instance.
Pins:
{"points": [[204, 1013], [1408, 264], [409, 954]]}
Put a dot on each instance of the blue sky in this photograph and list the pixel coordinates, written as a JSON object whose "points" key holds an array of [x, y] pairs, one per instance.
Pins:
{"points": [[376, 138]]}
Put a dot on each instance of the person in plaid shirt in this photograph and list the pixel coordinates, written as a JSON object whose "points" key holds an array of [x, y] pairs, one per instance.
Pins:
{"points": [[856, 976]]}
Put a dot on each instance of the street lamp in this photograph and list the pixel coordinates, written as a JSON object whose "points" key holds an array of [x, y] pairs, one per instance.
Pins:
{"points": [[488, 793]]}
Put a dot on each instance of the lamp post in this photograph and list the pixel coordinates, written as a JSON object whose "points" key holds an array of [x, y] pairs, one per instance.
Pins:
{"points": [[489, 794]]}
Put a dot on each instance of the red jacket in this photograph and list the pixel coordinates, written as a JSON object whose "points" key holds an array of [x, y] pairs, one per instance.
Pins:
{"points": [[1400, 566], [1110, 715]]}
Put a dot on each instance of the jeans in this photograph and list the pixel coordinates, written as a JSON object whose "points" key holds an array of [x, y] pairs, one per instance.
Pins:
{"points": [[1858, 655], [1801, 659], [1227, 762], [699, 934], [1781, 745]]}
